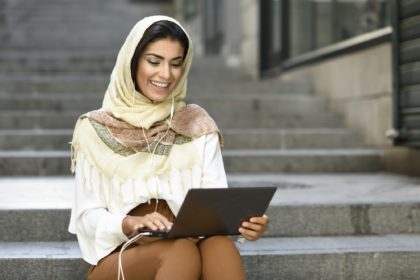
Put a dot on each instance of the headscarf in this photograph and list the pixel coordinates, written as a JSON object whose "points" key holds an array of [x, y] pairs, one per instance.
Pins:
{"points": [[121, 93], [131, 137]]}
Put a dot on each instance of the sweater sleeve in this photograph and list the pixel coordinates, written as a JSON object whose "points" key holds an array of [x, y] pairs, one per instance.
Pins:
{"points": [[214, 175], [98, 230]]}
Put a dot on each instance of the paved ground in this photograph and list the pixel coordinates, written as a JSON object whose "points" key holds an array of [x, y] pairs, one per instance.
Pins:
{"points": [[56, 192]]}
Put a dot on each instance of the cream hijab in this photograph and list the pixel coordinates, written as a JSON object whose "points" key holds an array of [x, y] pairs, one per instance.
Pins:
{"points": [[125, 103], [122, 99]]}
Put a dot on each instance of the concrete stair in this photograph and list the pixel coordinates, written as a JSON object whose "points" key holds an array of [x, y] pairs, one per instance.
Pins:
{"points": [[56, 62], [323, 226], [235, 139], [53, 84], [384, 257], [38, 208], [303, 135], [75, 25], [291, 132], [66, 119]]}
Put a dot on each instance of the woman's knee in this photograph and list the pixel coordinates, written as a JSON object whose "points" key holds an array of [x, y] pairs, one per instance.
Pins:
{"points": [[218, 242], [220, 259], [186, 251], [181, 260], [219, 248]]}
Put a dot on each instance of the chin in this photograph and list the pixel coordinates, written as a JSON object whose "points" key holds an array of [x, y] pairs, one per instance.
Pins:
{"points": [[159, 99]]}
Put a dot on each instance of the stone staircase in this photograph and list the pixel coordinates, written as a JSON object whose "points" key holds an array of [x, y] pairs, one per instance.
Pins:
{"points": [[334, 216]]}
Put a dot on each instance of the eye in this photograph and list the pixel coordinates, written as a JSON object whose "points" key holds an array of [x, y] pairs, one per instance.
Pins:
{"points": [[176, 65], [152, 62]]}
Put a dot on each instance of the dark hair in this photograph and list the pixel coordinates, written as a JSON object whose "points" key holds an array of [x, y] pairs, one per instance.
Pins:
{"points": [[162, 29]]}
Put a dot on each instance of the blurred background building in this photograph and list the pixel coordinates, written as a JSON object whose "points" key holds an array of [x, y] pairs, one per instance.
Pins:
{"points": [[361, 54]]}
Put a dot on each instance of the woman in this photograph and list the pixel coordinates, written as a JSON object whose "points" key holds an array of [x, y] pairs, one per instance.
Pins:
{"points": [[135, 159]]}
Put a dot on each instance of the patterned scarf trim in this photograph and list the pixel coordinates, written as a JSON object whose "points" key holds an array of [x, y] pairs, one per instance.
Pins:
{"points": [[125, 139]]}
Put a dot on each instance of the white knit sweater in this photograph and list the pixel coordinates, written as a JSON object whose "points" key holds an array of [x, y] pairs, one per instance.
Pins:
{"points": [[100, 205]]}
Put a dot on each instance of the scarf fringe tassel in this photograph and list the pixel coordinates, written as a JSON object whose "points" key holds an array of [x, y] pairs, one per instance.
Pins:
{"points": [[177, 182]]}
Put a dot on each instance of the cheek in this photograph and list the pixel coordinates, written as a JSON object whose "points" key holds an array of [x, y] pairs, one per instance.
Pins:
{"points": [[177, 75], [143, 74]]}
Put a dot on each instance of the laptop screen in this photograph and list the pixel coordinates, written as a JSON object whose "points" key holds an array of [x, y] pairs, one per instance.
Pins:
{"points": [[218, 211]]}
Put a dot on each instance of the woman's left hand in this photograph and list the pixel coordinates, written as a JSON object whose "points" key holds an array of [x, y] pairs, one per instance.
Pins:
{"points": [[254, 228]]}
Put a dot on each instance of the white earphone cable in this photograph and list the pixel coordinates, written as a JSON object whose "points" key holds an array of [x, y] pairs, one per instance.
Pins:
{"points": [[140, 235], [126, 244]]}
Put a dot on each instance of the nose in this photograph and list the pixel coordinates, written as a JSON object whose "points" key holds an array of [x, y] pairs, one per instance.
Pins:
{"points": [[165, 71]]}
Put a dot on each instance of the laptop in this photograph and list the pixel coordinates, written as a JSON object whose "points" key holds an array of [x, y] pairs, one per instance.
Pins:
{"points": [[220, 211]]}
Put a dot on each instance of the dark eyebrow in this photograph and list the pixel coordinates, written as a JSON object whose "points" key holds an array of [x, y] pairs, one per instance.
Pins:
{"points": [[161, 57]]}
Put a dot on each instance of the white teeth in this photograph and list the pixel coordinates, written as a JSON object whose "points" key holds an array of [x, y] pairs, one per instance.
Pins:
{"points": [[163, 85]]}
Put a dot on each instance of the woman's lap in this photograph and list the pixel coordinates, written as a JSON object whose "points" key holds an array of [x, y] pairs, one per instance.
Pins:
{"points": [[186, 258]]}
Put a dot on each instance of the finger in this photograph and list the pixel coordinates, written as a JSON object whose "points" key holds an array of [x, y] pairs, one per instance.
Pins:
{"points": [[260, 220], [167, 224], [161, 221], [138, 227], [252, 226], [151, 225], [249, 234], [164, 224], [149, 222]]}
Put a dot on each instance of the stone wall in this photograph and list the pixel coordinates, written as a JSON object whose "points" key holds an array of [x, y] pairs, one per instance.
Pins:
{"points": [[250, 37], [233, 33], [359, 86], [193, 25]]}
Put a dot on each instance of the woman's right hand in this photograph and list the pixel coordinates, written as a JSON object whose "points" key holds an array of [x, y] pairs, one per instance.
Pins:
{"points": [[154, 221]]}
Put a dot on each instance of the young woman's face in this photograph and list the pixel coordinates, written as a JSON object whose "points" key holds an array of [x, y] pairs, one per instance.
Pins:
{"points": [[160, 69]]}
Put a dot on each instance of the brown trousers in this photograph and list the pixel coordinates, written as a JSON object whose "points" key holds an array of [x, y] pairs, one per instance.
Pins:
{"points": [[213, 258]]}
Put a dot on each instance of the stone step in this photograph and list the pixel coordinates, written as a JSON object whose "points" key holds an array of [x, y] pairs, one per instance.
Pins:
{"points": [[229, 105], [210, 76], [90, 38], [46, 10], [20, 225], [35, 139], [50, 102], [92, 25], [96, 83], [67, 119], [310, 138], [54, 84], [38, 208], [38, 119], [339, 204], [389, 257], [224, 85], [207, 76], [43, 260], [41, 225], [39, 163], [53, 62], [236, 161], [303, 161], [58, 139]]}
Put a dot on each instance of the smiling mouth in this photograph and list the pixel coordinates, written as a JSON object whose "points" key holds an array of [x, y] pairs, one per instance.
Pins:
{"points": [[159, 84]]}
